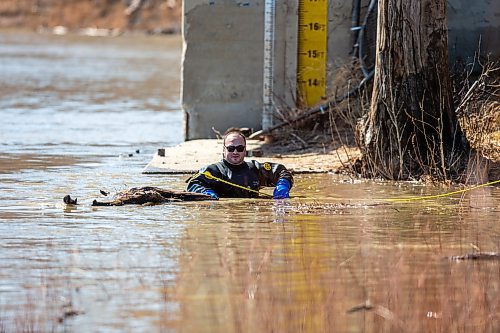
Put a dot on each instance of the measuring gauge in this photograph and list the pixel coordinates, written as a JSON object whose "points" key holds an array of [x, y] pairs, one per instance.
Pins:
{"points": [[312, 48], [269, 27]]}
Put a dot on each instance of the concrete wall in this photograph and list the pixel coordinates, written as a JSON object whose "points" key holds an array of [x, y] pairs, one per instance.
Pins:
{"points": [[222, 72]]}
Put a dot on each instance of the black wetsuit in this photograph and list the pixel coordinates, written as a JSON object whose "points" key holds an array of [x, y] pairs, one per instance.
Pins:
{"points": [[253, 174]]}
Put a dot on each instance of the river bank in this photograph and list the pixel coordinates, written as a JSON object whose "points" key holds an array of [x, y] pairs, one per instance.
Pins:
{"points": [[117, 17]]}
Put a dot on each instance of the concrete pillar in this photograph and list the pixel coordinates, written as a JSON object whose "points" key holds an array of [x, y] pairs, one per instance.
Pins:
{"points": [[222, 69], [473, 26], [339, 38]]}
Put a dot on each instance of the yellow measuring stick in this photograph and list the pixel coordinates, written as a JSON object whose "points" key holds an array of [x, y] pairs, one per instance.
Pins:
{"points": [[312, 51]]}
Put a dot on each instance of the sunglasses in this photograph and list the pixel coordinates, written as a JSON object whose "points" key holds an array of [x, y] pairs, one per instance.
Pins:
{"points": [[239, 148]]}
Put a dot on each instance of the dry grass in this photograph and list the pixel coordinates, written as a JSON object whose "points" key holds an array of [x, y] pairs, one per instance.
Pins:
{"points": [[331, 132], [345, 103]]}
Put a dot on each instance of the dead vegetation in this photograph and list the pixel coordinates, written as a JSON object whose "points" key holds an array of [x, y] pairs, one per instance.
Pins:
{"points": [[327, 129], [476, 95], [479, 110]]}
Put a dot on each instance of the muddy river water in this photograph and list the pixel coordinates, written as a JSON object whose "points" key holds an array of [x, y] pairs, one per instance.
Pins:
{"points": [[81, 114]]}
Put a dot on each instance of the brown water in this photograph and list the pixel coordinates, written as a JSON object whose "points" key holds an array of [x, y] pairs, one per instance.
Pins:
{"points": [[73, 109]]}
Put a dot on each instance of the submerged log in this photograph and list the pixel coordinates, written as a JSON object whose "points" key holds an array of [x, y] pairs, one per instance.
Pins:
{"points": [[150, 195]]}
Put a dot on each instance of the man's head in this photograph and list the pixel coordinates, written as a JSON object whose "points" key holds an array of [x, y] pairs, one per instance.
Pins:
{"points": [[234, 147]]}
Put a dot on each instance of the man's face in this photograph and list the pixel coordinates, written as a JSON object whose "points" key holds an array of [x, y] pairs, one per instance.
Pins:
{"points": [[233, 142]]}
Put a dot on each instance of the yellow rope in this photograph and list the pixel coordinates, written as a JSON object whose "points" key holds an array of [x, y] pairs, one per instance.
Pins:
{"points": [[210, 176], [427, 197], [415, 198]]}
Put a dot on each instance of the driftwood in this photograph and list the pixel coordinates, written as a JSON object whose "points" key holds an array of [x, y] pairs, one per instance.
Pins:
{"points": [[144, 195]]}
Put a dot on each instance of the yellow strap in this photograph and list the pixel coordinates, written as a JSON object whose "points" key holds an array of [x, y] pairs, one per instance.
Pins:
{"points": [[210, 176]]}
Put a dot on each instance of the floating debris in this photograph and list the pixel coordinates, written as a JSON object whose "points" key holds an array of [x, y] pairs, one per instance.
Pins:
{"points": [[366, 306], [150, 195], [69, 201], [70, 312], [327, 208], [477, 256]]}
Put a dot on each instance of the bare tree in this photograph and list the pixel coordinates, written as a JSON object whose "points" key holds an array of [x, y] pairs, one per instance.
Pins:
{"points": [[411, 129]]}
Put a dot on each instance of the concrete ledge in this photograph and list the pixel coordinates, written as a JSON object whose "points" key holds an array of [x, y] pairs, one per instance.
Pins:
{"points": [[188, 157]]}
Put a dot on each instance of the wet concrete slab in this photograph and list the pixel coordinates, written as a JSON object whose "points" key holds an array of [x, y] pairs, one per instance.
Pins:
{"points": [[190, 156]]}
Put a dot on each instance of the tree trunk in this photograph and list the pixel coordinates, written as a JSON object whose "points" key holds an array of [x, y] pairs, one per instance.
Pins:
{"points": [[411, 129]]}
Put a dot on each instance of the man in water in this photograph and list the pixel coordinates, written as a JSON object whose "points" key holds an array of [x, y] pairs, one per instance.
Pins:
{"points": [[234, 178]]}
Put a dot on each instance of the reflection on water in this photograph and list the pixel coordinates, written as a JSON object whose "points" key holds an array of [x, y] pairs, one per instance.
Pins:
{"points": [[245, 272], [85, 114]]}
